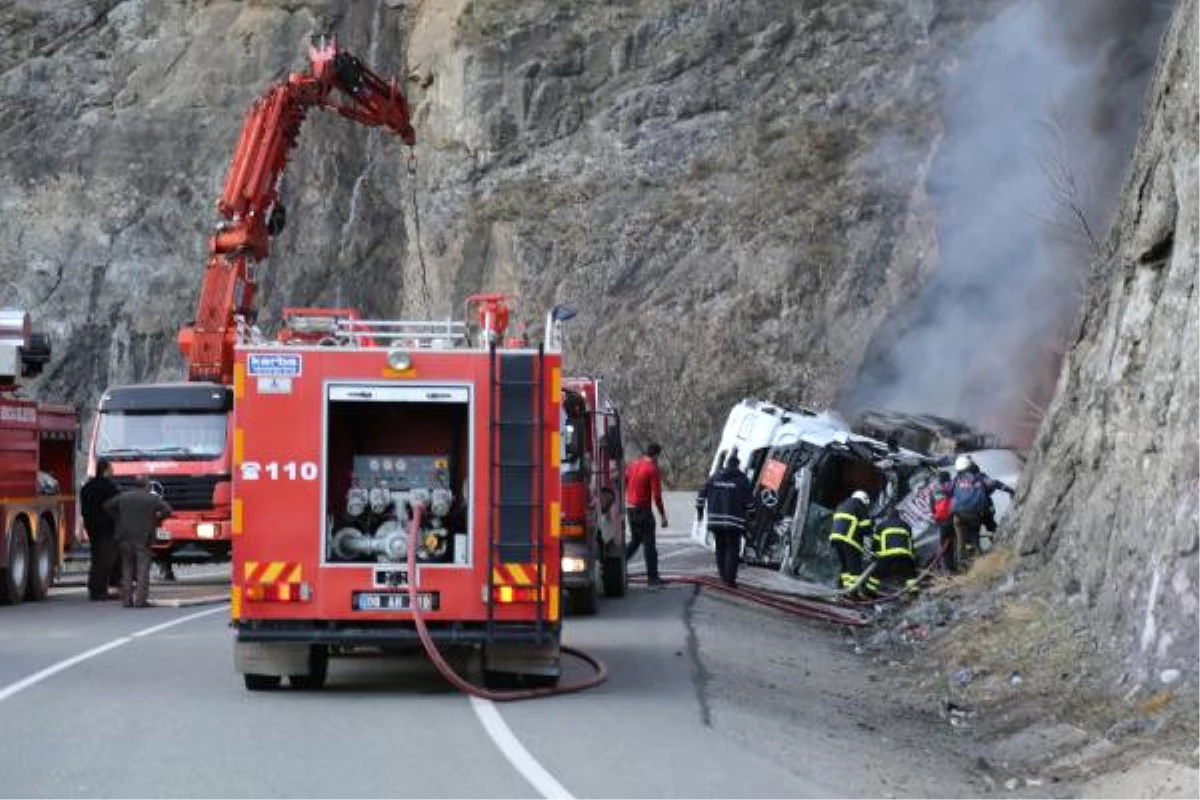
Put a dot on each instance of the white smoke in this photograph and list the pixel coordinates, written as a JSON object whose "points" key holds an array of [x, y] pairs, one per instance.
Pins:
{"points": [[1040, 119]]}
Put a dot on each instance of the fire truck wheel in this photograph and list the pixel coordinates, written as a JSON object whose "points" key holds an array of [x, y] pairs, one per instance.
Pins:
{"points": [[493, 679], [260, 683], [41, 573], [614, 575], [318, 670], [583, 601], [16, 570]]}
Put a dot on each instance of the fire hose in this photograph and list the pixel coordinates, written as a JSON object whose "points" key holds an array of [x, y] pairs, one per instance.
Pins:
{"points": [[899, 593], [786, 602], [600, 670]]}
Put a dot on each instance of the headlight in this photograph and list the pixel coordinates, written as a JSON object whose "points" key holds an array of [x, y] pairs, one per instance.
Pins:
{"points": [[572, 564], [207, 530]]}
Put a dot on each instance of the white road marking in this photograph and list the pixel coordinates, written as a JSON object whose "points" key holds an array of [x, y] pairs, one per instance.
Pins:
{"points": [[54, 669], [515, 752], [180, 621]]}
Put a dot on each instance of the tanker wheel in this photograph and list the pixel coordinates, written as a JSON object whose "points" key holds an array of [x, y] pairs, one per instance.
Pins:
{"points": [[41, 574], [260, 683], [318, 670], [15, 576], [614, 575]]}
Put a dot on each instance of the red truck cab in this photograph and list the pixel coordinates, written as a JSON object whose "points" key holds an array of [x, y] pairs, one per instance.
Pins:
{"points": [[178, 435]]}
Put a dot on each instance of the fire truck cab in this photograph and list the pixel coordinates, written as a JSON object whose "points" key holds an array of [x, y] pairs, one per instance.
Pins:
{"points": [[593, 495], [393, 441], [177, 434]]}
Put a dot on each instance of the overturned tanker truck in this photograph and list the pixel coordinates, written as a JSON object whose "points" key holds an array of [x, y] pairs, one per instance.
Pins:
{"points": [[802, 463]]}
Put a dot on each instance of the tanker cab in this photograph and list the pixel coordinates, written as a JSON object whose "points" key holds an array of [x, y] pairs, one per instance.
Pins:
{"points": [[398, 456]]}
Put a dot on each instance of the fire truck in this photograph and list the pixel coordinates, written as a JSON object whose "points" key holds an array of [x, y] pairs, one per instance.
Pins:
{"points": [[434, 445], [179, 434], [593, 495], [37, 459]]}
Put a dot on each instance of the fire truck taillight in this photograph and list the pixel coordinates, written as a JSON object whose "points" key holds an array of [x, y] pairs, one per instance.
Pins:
{"points": [[278, 592], [515, 594], [571, 530]]}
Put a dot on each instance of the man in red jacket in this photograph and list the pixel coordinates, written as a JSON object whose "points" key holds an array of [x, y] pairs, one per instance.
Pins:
{"points": [[643, 492]]}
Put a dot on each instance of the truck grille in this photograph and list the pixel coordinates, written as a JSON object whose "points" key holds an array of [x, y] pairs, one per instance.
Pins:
{"points": [[182, 492]]}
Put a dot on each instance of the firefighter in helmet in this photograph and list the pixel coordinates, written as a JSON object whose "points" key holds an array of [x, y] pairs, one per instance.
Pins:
{"points": [[971, 502], [851, 525], [895, 565]]}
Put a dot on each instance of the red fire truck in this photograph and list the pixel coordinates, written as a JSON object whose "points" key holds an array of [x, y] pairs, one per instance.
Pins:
{"points": [[37, 460], [180, 433], [593, 495], [437, 438]]}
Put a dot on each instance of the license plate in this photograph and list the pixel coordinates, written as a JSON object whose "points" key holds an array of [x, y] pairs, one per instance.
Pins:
{"points": [[392, 601], [162, 535]]}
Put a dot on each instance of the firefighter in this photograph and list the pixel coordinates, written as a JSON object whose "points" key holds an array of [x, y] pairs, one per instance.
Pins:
{"points": [[137, 514], [940, 500], [730, 501], [99, 527], [643, 492], [971, 502], [851, 525], [895, 565]]}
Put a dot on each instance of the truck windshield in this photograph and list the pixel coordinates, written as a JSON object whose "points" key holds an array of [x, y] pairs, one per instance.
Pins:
{"points": [[124, 436]]}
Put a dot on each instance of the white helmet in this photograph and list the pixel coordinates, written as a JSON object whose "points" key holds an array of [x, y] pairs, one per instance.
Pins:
{"points": [[861, 496], [963, 463]]}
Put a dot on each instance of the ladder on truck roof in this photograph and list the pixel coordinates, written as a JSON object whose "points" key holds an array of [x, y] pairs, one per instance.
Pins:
{"points": [[516, 548]]}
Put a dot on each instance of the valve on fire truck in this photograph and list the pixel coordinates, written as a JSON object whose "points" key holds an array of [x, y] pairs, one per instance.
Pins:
{"points": [[377, 521], [493, 315]]}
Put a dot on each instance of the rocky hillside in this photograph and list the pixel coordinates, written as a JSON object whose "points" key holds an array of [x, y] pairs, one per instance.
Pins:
{"points": [[1111, 506], [714, 186]]}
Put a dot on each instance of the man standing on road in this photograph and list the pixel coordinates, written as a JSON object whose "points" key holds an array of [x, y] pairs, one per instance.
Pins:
{"points": [[730, 499], [643, 492], [99, 526], [137, 513]]}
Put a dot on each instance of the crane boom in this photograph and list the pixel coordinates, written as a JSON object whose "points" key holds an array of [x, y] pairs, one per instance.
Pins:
{"points": [[250, 205]]}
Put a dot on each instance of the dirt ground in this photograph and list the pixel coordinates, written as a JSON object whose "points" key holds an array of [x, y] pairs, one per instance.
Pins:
{"points": [[974, 690]]}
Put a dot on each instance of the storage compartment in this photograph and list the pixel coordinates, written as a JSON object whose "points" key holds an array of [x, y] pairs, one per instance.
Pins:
{"points": [[390, 450]]}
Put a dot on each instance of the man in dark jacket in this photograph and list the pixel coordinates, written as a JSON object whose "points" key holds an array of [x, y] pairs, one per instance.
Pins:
{"points": [[851, 524], [730, 500], [137, 513], [971, 502], [99, 526]]}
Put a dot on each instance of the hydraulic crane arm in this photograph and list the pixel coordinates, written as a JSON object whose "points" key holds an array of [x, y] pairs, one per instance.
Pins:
{"points": [[250, 202]]}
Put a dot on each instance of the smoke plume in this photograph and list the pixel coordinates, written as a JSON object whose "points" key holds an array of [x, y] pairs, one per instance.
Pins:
{"points": [[1040, 118]]}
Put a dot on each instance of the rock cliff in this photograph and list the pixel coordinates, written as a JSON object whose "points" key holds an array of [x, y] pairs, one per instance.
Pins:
{"points": [[715, 186], [1110, 506]]}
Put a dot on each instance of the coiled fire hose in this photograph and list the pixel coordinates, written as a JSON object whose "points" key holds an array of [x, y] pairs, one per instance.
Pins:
{"points": [[600, 670]]}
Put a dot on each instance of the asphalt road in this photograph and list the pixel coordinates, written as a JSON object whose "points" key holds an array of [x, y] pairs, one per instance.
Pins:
{"points": [[101, 701]]}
